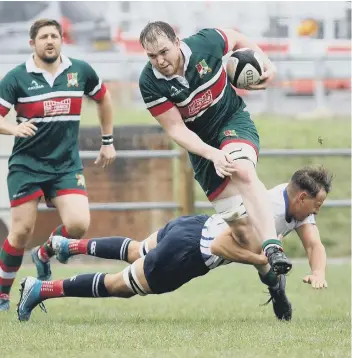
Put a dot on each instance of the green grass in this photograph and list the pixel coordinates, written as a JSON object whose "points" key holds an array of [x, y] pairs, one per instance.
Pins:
{"points": [[283, 132], [214, 316]]}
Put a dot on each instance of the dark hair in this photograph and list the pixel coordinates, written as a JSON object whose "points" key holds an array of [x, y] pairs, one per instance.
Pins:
{"points": [[33, 32], [155, 29], [312, 180]]}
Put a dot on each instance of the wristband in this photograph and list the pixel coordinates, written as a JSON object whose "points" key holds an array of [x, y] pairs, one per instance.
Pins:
{"points": [[107, 139]]}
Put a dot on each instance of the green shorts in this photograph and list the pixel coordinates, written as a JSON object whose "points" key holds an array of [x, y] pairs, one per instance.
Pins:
{"points": [[24, 186], [239, 128]]}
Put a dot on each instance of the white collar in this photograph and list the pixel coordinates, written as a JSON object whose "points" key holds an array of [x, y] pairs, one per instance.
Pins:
{"points": [[31, 66], [187, 55]]}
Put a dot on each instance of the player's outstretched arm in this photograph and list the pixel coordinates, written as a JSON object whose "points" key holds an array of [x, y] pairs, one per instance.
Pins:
{"points": [[174, 126], [309, 235], [225, 246]]}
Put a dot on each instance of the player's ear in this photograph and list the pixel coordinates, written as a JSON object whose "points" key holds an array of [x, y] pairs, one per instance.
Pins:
{"points": [[177, 42], [31, 43], [302, 196]]}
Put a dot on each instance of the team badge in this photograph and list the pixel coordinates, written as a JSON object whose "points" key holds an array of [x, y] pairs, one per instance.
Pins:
{"points": [[72, 79], [80, 180], [203, 68], [230, 133]]}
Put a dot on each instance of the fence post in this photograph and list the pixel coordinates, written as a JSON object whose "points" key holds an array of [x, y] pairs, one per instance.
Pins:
{"points": [[185, 185]]}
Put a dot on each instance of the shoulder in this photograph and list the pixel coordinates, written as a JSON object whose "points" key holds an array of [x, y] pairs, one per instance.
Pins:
{"points": [[147, 74], [81, 64], [205, 36], [15, 72], [12, 77], [278, 189]]}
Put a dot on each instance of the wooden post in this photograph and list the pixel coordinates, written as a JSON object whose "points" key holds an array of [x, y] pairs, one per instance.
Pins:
{"points": [[185, 185]]}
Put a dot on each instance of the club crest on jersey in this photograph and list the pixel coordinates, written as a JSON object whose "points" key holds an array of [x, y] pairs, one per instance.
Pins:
{"points": [[80, 180], [203, 68], [230, 133], [72, 79]]}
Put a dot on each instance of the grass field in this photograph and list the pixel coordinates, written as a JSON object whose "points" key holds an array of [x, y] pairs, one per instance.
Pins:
{"points": [[281, 132], [214, 316]]}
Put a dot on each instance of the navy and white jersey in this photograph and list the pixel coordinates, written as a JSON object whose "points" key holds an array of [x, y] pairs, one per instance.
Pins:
{"points": [[214, 226], [283, 223]]}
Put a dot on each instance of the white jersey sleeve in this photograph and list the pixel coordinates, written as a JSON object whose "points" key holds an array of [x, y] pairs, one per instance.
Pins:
{"points": [[309, 220]]}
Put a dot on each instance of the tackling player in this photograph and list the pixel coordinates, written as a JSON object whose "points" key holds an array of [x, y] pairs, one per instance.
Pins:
{"points": [[189, 247]]}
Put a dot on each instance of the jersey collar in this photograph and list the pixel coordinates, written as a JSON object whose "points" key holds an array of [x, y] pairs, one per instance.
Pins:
{"points": [[31, 66], [187, 55], [288, 217]]}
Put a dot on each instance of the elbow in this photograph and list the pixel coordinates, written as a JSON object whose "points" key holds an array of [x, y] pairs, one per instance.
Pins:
{"points": [[216, 248]]}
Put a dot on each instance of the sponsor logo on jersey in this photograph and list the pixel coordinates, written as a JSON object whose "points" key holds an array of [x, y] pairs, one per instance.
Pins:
{"points": [[200, 103], [174, 91], [54, 108], [72, 79], [230, 133], [80, 180], [203, 68], [34, 85]]}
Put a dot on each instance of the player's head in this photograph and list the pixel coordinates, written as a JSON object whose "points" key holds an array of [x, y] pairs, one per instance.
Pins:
{"points": [[46, 39], [309, 188], [162, 47]]}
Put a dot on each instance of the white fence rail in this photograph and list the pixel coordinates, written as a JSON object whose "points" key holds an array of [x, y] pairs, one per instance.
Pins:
{"points": [[133, 206]]}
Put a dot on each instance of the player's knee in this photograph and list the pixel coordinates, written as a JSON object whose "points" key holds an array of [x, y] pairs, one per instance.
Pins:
{"points": [[132, 282], [77, 227], [116, 286], [230, 209], [20, 233], [143, 248], [245, 171], [134, 251]]}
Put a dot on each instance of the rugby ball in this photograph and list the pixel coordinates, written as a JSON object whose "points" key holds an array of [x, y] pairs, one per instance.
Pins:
{"points": [[244, 68]]}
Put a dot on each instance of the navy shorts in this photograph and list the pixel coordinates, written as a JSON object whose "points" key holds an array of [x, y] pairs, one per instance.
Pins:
{"points": [[177, 258]]}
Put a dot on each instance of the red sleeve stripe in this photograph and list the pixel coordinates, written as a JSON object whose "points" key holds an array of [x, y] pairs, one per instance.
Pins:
{"points": [[3, 110], [161, 108], [100, 94], [226, 42]]}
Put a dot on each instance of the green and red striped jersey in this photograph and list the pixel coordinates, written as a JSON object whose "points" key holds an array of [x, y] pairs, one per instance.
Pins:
{"points": [[54, 104], [203, 96]]}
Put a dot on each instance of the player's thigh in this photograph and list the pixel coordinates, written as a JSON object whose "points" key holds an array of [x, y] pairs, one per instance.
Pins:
{"points": [[129, 282], [24, 191], [74, 212], [23, 218], [175, 261], [239, 129], [69, 195]]}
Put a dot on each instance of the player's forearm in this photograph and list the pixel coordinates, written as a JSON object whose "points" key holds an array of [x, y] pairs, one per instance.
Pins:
{"points": [[225, 247], [105, 115], [6, 128], [190, 141], [317, 259], [243, 41]]}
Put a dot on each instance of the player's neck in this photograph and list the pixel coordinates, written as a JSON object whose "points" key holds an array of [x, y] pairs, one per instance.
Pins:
{"points": [[49, 67], [181, 65]]}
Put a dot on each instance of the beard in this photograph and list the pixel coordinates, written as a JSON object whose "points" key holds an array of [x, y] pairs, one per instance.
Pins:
{"points": [[49, 60]]}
